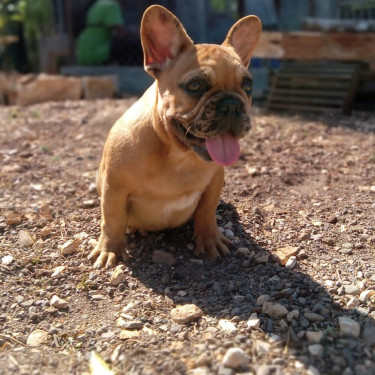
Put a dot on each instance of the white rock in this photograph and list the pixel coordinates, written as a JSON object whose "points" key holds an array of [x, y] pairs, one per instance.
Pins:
{"points": [[349, 327], [37, 338], [263, 298], [58, 271], [362, 284], [118, 276], [316, 350], [312, 371], [58, 303], [8, 259], [274, 310], [227, 326], [353, 303], [253, 323], [69, 247], [236, 358], [263, 347], [291, 262], [366, 294]]}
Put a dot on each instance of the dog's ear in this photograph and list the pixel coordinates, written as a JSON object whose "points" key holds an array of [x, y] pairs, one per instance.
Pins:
{"points": [[163, 39], [243, 37]]}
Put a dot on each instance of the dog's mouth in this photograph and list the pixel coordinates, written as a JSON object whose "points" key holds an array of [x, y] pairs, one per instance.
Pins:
{"points": [[223, 148]]}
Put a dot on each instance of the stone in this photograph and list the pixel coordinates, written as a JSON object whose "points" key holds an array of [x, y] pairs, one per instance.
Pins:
{"points": [[226, 325], [284, 253], [353, 303], [99, 87], [58, 271], [118, 276], [58, 303], [186, 313], [163, 257], [37, 338], [128, 334], [236, 358], [263, 347], [368, 335], [25, 239], [274, 310], [263, 298], [13, 218], [291, 262], [349, 327], [243, 252], [366, 294], [253, 323], [312, 370], [129, 324], [316, 350], [314, 337], [262, 257], [7, 260], [313, 317], [198, 371], [352, 290], [69, 247]]}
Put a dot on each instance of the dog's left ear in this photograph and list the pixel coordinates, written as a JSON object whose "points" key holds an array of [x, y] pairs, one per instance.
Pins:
{"points": [[243, 37], [163, 39]]}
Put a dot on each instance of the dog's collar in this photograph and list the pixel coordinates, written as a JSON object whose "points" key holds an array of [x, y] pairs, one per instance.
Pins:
{"points": [[198, 145]]}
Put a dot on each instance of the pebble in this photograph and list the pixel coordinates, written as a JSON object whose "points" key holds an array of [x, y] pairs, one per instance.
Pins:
{"points": [[227, 325], [128, 334], [313, 317], [198, 371], [368, 335], [314, 337], [118, 276], [353, 303], [58, 303], [262, 257], [284, 253], [98, 297], [312, 370], [274, 310], [236, 358], [7, 260], [263, 298], [25, 239], [292, 315], [351, 289], [186, 313], [366, 294], [163, 257], [58, 271], [129, 324], [243, 252], [69, 247], [45, 232], [253, 323], [316, 350], [291, 262], [349, 327], [263, 347], [37, 338]]}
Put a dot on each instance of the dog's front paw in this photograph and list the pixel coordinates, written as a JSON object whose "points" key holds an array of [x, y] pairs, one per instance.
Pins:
{"points": [[106, 255], [212, 244]]}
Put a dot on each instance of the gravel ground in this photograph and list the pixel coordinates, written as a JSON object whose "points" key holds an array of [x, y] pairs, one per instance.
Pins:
{"points": [[296, 296]]}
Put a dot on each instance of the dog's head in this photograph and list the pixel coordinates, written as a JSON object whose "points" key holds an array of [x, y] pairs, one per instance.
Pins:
{"points": [[204, 90]]}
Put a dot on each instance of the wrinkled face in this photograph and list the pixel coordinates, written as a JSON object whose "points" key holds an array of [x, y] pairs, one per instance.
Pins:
{"points": [[208, 106]]}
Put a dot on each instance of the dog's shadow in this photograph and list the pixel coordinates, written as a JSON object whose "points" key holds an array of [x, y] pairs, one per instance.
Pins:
{"points": [[229, 288]]}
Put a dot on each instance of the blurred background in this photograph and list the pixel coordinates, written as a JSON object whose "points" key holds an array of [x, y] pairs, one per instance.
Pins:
{"points": [[335, 38]]}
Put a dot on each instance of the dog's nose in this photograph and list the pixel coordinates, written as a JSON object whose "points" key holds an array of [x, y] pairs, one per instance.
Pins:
{"points": [[230, 107]]}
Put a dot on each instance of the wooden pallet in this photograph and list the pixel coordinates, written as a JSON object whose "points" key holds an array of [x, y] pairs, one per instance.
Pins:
{"points": [[314, 86]]}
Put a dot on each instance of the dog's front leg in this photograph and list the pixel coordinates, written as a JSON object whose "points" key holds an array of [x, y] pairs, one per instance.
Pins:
{"points": [[112, 239], [207, 236]]}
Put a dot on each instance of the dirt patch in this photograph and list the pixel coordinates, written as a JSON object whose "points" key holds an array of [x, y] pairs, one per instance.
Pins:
{"points": [[304, 185]]}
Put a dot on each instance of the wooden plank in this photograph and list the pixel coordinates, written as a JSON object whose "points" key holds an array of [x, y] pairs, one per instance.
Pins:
{"points": [[315, 75], [317, 46], [303, 83], [309, 100], [297, 107], [325, 93]]}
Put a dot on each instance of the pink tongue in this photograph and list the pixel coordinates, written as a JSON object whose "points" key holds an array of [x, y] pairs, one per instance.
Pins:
{"points": [[224, 149]]}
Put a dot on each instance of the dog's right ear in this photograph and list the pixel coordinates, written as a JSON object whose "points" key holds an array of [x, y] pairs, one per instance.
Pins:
{"points": [[163, 39]]}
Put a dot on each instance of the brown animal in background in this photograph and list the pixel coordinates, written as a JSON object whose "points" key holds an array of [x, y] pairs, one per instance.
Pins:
{"points": [[163, 160]]}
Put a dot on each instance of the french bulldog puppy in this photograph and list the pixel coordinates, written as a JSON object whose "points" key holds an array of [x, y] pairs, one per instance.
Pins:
{"points": [[163, 160]]}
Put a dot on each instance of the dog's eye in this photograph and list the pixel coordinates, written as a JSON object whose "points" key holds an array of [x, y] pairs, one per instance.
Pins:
{"points": [[247, 85], [194, 86]]}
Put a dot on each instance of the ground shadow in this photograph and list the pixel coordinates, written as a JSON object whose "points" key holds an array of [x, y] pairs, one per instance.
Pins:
{"points": [[229, 289]]}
